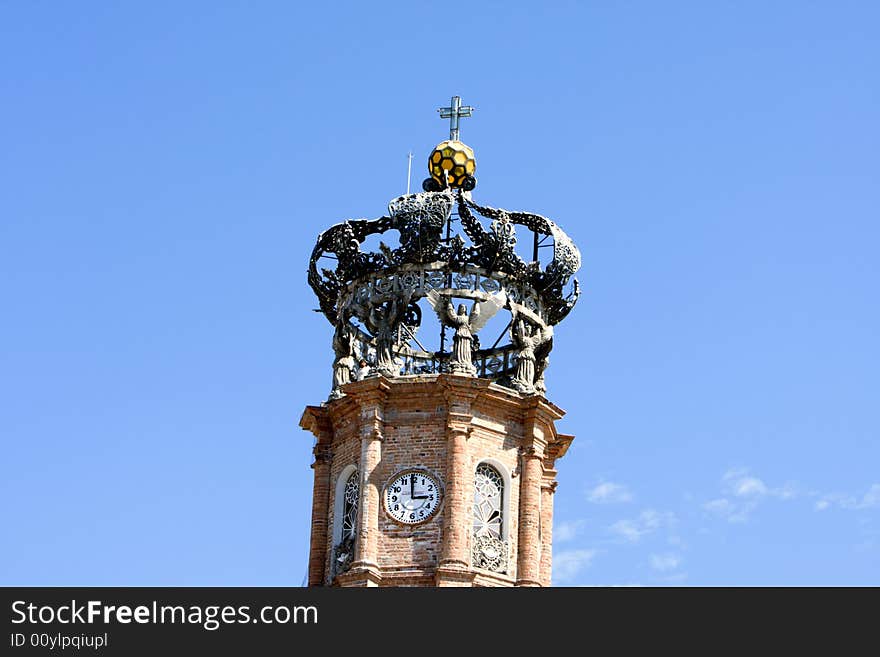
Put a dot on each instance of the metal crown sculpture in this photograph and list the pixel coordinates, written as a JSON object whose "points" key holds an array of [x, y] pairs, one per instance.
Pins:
{"points": [[372, 297]]}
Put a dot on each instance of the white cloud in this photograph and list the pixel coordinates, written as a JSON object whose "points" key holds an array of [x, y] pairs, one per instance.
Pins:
{"points": [[739, 483], [750, 486], [788, 491], [608, 492], [665, 562], [743, 493], [731, 511], [647, 522], [568, 563], [566, 531], [628, 529], [721, 506], [870, 500]]}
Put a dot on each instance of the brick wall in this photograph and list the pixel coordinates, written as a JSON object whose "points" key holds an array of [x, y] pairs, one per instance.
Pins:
{"points": [[417, 420]]}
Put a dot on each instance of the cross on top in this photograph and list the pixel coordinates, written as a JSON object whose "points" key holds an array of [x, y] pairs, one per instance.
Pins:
{"points": [[454, 112]]}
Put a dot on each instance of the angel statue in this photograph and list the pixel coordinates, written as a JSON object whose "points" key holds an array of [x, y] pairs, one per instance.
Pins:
{"points": [[382, 322], [527, 339], [465, 325], [542, 362], [344, 349]]}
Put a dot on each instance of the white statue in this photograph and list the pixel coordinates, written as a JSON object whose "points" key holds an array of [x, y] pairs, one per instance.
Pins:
{"points": [[344, 347], [383, 321], [542, 362], [465, 325], [527, 338]]}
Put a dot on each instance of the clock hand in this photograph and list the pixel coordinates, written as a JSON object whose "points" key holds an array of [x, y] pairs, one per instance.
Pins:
{"points": [[418, 497]]}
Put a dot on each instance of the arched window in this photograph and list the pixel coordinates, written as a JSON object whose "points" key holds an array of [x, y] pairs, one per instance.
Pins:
{"points": [[350, 497], [488, 501], [490, 526], [345, 518]]}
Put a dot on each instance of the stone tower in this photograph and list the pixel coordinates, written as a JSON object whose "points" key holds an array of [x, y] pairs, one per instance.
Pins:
{"points": [[435, 465]]}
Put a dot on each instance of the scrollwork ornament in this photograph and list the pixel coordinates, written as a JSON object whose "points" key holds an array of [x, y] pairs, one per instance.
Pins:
{"points": [[490, 553], [378, 292]]}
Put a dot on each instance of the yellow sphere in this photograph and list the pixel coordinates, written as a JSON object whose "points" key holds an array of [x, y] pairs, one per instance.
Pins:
{"points": [[451, 162]]}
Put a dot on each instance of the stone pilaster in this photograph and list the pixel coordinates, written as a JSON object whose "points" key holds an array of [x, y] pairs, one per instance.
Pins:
{"points": [[365, 568], [528, 568], [316, 421], [539, 439], [320, 501], [454, 538], [557, 447], [547, 491], [455, 557]]}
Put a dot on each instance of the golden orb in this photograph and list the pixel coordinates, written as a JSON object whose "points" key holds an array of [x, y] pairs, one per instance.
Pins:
{"points": [[452, 164]]}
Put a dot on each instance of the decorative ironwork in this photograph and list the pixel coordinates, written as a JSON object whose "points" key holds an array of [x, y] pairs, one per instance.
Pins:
{"points": [[350, 499], [420, 219], [490, 553], [488, 500], [343, 552], [489, 544], [450, 248]]}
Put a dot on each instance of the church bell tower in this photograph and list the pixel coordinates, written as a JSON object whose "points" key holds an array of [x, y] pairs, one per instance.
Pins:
{"points": [[435, 451]]}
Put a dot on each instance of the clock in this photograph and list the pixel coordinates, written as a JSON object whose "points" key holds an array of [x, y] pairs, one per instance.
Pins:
{"points": [[412, 496]]}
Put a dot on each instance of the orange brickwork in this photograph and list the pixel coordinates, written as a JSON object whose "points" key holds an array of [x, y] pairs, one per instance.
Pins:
{"points": [[445, 424]]}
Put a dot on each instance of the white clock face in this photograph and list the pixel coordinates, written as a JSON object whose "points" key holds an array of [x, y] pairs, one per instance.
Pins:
{"points": [[412, 497]]}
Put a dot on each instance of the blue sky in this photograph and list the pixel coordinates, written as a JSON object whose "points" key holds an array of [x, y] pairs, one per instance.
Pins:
{"points": [[165, 169]]}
